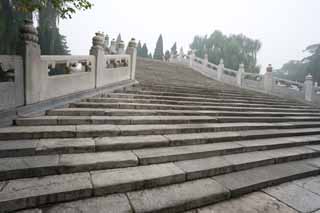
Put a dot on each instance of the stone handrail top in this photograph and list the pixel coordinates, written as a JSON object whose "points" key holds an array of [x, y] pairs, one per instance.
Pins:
{"points": [[65, 57], [288, 81]]}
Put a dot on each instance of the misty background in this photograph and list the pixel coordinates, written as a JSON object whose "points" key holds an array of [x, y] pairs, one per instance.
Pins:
{"points": [[284, 27]]}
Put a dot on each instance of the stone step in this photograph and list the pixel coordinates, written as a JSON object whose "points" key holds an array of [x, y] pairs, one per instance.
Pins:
{"points": [[35, 192], [194, 194], [145, 112], [184, 107], [133, 120], [253, 139], [190, 94], [81, 131], [191, 102], [196, 98], [35, 166]]}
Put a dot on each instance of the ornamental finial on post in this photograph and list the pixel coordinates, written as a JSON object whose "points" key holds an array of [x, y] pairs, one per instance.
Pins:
{"points": [[132, 43], [98, 40], [28, 32]]}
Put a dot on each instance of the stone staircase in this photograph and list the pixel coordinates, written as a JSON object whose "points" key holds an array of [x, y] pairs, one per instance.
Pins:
{"points": [[175, 142]]}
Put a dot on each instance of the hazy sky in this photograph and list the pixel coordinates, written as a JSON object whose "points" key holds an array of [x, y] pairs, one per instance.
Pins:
{"points": [[285, 27]]}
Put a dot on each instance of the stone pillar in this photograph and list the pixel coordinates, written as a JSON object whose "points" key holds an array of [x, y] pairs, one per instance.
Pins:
{"points": [[239, 74], [268, 79], [308, 87], [113, 47], [33, 73], [132, 51], [181, 54], [120, 47], [191, 58], [220, 70], [97, 50], [205, 61]]}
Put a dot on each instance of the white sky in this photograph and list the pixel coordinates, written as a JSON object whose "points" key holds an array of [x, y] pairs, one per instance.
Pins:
{"points": [[285, 27]]}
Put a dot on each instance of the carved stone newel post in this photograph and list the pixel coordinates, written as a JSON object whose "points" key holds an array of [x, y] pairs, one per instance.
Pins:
{"points": [[239, 74], [268, 79], [97, 50], [308, 84], [220, 70], [132, 51], [32, 62]]}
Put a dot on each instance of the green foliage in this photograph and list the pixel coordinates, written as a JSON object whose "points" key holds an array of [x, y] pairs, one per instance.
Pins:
{"points": [[158, 52], [139, 49], [167, 55], [234, 49], [297, 70], [65, 8], [142, 51]]}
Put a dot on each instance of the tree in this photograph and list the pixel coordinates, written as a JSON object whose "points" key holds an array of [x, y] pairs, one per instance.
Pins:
{"points": [[234, 49], [144, 51], [167, 55], [65, 8], [174, 49], [119, 38], [139, 49], [158, 52]]}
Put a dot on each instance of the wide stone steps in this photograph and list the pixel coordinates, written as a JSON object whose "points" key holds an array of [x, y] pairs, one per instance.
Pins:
{"points": [[201, 98], [253, 139], [185, 107], [80, 131], [133, 120], [161, 188], [149, 112], [190, 102]]}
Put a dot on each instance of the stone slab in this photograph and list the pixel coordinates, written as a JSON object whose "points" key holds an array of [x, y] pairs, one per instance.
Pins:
{"points": [[36, 132], [253, 179], [130, 142], [65, 146], [256, 202], [95, 161], [204, 167], [178, 197], [311, 184], [135, 178], [117, 203], [31, 211], [17, 148], [160, 155], [22, 167], [29, 193], [295, 196], [97, 130], [37, 121], [290, 154]]}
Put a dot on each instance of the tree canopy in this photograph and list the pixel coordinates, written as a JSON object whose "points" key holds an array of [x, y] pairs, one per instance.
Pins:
{"points": [[65, 8], [296, 70], [234, 49]]}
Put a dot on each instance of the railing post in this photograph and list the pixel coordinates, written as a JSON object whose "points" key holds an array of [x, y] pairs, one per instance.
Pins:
{"points": [[220, 70], [191, 58], [308, 84], [120, 47], [239, 74], [113, 47], [205, 61], [97, 50], [132, 51], [268, 79], [32, 63]]}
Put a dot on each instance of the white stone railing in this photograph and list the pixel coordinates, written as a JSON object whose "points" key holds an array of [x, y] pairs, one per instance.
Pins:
{"points": [[11, 81], [44, 77], [266, 83]]}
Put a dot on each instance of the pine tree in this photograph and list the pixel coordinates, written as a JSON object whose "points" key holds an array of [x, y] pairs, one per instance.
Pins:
{"points": [[158, 52], [174, 49], [139, 50], [144, 50], [119, 38]]}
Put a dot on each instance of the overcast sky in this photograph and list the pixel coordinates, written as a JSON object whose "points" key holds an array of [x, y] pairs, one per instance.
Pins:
{"points": [[285, 27]]}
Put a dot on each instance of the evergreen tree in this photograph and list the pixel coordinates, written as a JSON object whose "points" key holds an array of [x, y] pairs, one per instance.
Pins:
{"points": [[144, 50], [150, 55], [158, 52], [139, 50], [167, 55], [174, 49], [119, 38]]}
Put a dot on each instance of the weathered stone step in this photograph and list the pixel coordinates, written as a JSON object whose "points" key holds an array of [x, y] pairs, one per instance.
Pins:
{"points": [[35, 192], [191, 102], [35, 166], [193, 194], [81, 131], [252, 139], [126, 120], [217, 99], [185, 107], [145, 112], [190, 94]]}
